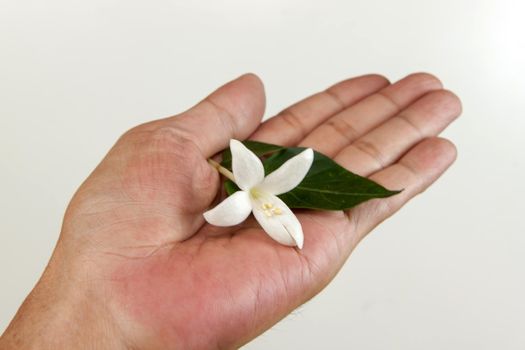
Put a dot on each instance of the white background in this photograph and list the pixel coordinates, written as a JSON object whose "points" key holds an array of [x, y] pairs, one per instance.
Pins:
{"points": [[446, 272]]}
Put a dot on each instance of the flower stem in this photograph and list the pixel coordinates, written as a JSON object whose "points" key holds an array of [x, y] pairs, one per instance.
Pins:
{"points": [[221, 169]]}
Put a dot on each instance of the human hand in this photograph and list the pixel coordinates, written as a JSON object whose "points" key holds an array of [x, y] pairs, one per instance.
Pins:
{"points": [[137, 266]]}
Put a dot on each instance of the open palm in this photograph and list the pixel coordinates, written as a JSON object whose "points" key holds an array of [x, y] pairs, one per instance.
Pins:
{"points": [[169, 280]]}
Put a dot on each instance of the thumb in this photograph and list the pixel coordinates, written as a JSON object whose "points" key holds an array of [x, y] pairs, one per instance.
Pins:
{"points": [[234, 111]]}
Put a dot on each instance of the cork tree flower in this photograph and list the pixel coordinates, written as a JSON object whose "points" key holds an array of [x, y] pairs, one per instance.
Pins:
{"points": [[258, 194]]}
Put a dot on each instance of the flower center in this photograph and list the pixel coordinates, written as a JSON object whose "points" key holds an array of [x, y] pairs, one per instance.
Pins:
{"points": [[269, 210], [267, 207], [255, 193]]}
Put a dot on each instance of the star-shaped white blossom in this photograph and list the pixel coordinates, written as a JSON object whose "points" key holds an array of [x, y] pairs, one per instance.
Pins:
{"points": [[258, 194]]}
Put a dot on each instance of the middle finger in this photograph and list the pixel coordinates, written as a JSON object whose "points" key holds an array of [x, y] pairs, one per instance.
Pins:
{"points": [[348, 125]]}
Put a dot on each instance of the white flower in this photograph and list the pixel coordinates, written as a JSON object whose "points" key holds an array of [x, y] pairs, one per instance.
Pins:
{"points": [[259, 194]]}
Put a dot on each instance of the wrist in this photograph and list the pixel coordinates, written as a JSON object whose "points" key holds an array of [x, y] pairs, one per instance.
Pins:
{"points": [[62, 312]]}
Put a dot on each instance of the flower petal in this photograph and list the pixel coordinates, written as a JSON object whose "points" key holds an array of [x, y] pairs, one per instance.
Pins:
{"points": [[278, 220], [247, 168], [231, 211], [288, 175]]}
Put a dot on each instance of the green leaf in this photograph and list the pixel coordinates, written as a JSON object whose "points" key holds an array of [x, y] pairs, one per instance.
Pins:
{"points": [[327, 186], [230, 187]]}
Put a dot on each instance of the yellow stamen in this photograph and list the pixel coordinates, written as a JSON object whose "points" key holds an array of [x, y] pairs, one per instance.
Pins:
{"points": [[277, 211]]}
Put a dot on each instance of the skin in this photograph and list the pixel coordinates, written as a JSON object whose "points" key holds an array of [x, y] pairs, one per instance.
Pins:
{"points": [[137, 267]]}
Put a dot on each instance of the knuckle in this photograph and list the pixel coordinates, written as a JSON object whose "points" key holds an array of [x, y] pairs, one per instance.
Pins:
{"points": [[336, 97], [178, 146], [291, 119], [162, 138], [343, 128], [368, 148], [171, 138], [137, 133]]}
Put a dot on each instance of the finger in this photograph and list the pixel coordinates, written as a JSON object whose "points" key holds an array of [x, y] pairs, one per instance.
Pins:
{"points": [[348, 125], [414, 173], [426, 117], [291, 125], [232, 111]]}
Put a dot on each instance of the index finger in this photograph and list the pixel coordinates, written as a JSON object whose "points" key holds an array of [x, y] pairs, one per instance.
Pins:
{"points": [[291, 126]]}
